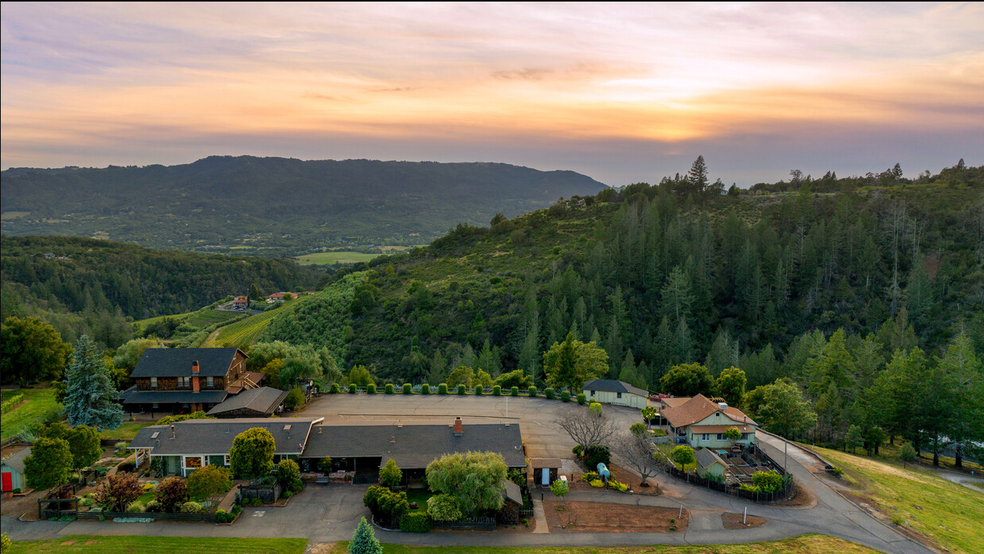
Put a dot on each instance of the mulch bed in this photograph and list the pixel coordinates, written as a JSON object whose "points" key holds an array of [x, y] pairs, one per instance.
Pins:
{"points": [[734, 521], [597, 517]]}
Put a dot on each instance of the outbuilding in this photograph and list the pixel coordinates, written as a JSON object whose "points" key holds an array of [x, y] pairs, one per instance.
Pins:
{"points": [[709, 464], [12, 471], [617, 393]]}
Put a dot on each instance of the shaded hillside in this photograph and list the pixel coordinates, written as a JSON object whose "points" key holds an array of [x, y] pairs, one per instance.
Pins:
{"points": [[278, 205]]}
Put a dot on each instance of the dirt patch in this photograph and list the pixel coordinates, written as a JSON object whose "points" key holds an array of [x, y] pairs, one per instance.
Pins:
{"points": [[597, 517], [738, 521], [19, 505], [622, 475], [320, 548], [802, 499]]}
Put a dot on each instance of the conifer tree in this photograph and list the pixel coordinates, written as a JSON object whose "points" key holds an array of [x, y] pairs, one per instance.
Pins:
{"points": [[364, 541], [89, 391]]}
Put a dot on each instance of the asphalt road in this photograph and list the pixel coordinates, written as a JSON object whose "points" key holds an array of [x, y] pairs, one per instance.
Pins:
{"points": [[325, 513]]}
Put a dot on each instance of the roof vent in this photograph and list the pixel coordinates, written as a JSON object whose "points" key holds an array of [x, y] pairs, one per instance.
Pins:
{"points": [[172, 430], [287, 427]]}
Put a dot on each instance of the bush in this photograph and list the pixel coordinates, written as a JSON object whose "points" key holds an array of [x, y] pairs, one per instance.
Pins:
{"points": [[391, 475], [371, 388], [442, 389], [496, 390], [127, 466], [191, 508], [565, 396], [221, 516], [590, 476], [479, 390], [578, 450], [597, 484], [462, 390], [153, 506], [767, 481], [287, 494], [549, 393], [620, 487], [353, 389], [5, 543], [171, 493], [295, 398], [594, 455], [425, 389], [514, 391], [416, 522], [581, 399], [236, 509], [149, 487], [531, 392], [407, 388], [389, 389], [86, 502], [333, 389], [120, 448]]}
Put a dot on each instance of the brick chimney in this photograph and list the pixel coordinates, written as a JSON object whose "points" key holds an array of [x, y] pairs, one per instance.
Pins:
{"points": [[195, 387], [457, 427]]}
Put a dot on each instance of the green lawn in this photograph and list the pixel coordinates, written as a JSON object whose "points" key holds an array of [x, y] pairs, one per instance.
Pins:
{"points": [[37, 405], [126, 431], [87, 544], [806, 544], [946, 512], [331, 258]]}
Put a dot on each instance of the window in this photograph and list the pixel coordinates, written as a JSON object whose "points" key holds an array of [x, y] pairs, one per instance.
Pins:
{"points": [[592, 393], [720, 436], [705, 437], [209, 382], [226, 460], [153, 382], [619, 395], [192, 462]]}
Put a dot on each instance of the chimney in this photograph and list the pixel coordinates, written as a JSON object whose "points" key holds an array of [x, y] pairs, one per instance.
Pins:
{"points": [[457, 427], [195, 386], [172, 430]]}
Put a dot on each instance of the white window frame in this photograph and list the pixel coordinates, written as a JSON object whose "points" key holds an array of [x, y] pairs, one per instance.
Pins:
{"points": [[209, 382], [225, 460], [153, 382], [705, 436]]}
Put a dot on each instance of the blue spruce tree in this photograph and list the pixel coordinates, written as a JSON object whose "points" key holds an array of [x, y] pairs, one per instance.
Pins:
{"points": [[364, 541], [89, 391]]}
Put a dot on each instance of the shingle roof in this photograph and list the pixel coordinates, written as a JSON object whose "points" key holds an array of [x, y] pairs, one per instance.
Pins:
{"points": [[698, 408], [16, 460], [134, 396], [215, 436], [513, 492], [415, 446], [263, 400], [176, 362], [706, 458], [612, 385], [551, 463]]}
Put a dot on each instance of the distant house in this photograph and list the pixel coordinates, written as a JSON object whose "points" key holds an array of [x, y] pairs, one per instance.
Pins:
{"points": [[364, 449], [239, 303], [12, 471], [618, 393], [184, 380], [188, 445], [702, 423], [710, 464], [260, 402]]}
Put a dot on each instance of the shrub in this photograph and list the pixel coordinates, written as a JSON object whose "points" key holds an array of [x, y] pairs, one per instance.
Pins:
{"points": [[594, 455], [443, 507], [514, 391], [597, 484], [333, 389], [86, 502], [565, 396], [149, 487], [288, 474], [767, 481], [496, 390], [5, 543], [581, 399], [590, 476], [171, 493], [127, 466], [479, 390], [425, 389], [578, 450], [235, 510], [407, 388], [371, 388], [389, 388], [192, 508], [462, 390], [549, 393], [441, 389], [390, 475], [153, 506], [221, 516], [416, 522], [620, 487], [353, 389], [531, 392], [120, 448], [287, 494], [295, 398]]}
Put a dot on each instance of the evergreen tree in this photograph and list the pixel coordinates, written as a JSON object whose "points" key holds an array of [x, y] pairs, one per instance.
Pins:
{"points": [[697, 177], [364, 541], [90, 398]]}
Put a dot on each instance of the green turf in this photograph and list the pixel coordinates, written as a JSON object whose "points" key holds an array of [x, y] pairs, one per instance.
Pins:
{"points": [[946, 512], [126, 431], [87, 544], [38, 404]]}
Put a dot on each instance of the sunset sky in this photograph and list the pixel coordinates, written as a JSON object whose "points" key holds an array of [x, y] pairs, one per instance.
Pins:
{"points": [[621, 92]]}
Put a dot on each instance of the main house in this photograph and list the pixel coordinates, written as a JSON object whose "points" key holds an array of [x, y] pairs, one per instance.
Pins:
{"points": [[702, 423], [180, 380], [358, 451]]}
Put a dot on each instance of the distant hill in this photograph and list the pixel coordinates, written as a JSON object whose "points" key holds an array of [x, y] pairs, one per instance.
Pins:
{"points": [[275, 205]]}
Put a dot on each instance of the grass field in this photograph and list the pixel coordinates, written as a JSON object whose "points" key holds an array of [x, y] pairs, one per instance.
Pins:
{"points": [[806, 544], [126, 431], [337, 257], [946, 512], [243, 332], [37, 405], [143, 323], [86, 544]]}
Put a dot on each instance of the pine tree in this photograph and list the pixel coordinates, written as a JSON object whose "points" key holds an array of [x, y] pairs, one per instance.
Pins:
{"points": [[698, 175], [89, 391], [364, 541]]}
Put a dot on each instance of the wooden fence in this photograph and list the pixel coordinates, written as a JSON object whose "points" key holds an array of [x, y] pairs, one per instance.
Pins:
{"points": [[474, 524], [737, 491], [156, 516]]}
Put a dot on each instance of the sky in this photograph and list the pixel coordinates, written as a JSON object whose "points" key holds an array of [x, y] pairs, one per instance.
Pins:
{"points": [[621, 92]]}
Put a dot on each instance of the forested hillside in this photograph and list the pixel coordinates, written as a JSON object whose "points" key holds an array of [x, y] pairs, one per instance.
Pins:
{"points": [[275, 206], [94, 286]]}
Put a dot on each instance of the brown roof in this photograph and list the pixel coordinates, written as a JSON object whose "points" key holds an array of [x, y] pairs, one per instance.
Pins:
{"points": [[699, 407], [551, 463], [673, 402], [721, 428]]}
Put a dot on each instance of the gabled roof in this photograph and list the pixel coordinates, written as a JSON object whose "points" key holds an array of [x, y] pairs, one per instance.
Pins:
{"points": [[263, 400], [612, 385], [415, 446], [707, 457], [511, 491], [134, 396], [215, 436], [16, 460], [698, 408], [176, 362]]}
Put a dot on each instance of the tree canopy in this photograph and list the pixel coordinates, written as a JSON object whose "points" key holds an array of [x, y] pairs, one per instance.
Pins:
{"points": [[474, 479], [688, 380], [90, 397], [48, 464], [251, 456], [31, 351], [571, 363]]}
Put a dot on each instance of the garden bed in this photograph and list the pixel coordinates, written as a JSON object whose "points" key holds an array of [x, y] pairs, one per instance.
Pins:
{"points": [[734, 521], [599, 517]]}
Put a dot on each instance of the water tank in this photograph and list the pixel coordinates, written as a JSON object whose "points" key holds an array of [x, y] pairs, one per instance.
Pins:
{"points": [[603, 472]]}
